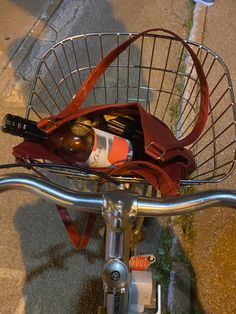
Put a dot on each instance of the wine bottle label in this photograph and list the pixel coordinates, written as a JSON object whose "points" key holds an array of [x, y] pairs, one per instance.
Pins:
{"points": [[109, 150]]}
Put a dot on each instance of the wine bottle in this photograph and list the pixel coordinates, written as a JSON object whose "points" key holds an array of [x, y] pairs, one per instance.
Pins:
{"points": [[129, 128], [76, 141]]}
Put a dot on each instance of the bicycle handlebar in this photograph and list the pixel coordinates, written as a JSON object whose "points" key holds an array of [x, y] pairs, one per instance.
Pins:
{"points": [[94, 202], [52, 192]]}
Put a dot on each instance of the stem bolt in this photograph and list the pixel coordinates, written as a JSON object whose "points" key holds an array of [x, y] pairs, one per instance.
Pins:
{"points": [[115, 275]]}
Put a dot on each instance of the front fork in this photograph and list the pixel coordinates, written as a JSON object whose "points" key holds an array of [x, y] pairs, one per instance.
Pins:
{"points": [[120, 214]]}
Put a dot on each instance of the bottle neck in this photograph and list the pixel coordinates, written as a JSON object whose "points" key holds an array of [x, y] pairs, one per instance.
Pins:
{"points": [[25, 128]]}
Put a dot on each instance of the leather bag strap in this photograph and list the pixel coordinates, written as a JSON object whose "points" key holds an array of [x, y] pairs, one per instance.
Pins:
{"points": [[79, 241], [154, 174], [53, 122]]}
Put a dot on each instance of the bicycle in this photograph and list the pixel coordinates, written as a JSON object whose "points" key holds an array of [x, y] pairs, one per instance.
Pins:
{"points": [[134, 77]]}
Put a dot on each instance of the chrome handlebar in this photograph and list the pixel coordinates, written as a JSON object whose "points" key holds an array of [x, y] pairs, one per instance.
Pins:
{"points": [[54, 193], [94, 202]]}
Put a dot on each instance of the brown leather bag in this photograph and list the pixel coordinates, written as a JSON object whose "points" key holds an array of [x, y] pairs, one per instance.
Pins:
{"points": [[170, 157]]}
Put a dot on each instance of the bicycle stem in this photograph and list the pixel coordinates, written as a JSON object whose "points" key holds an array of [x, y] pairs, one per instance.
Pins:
{"points": [[116, 275]]}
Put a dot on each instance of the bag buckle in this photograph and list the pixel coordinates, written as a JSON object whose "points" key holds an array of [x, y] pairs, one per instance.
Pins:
{"points": [[154, 151]]}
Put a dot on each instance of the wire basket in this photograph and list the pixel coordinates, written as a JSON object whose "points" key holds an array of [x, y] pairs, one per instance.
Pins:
{"points": [[156, 71]]}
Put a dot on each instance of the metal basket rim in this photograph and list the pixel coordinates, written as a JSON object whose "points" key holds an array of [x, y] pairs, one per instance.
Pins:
{"points": [[200, 46]]}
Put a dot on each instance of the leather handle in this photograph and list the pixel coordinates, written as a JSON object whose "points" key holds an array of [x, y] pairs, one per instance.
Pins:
{"points": [[50, 124]]}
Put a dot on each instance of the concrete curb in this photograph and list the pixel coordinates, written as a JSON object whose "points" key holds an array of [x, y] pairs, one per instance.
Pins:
{"points": [[179, 290], [7, 84], [199, 19]]}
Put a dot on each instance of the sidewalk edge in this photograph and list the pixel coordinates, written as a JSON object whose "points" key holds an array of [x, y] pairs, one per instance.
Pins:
{"points": [[7, 82], [179, 290]]}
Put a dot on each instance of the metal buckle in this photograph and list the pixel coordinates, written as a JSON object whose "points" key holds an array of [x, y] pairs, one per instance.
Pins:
{"points": [[151, 148]]}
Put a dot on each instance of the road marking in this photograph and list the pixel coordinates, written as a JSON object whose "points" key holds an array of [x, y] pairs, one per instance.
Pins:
{"points": [[9, 273], [20, 309]]}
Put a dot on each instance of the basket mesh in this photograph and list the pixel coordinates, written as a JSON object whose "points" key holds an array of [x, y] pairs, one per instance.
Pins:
{"points": [[156, 71]]}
